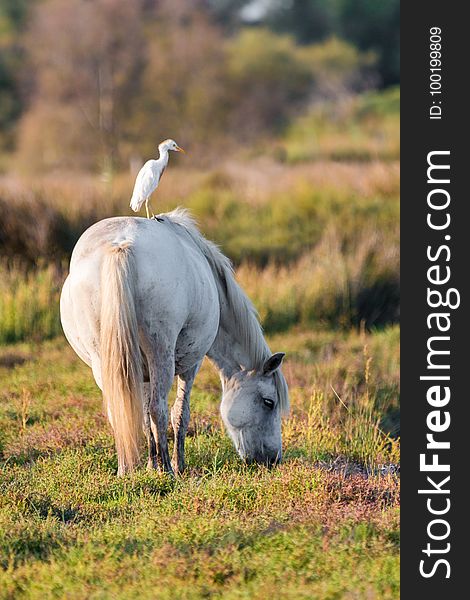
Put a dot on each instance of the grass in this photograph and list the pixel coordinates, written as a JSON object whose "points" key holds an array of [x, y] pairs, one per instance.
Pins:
{"points": [[257, 210], [329, 285], [359, 128], [314, 244], [20, 317], [324, 524]]}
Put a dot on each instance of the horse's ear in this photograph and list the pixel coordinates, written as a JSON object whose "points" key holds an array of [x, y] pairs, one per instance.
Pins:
{"points": [[273, 363]]}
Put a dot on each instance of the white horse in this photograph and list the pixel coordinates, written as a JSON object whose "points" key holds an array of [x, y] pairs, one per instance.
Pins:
{"points": [[146, 300]]}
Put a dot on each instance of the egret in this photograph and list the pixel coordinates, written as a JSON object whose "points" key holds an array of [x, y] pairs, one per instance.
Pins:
{"points": [[149, 176]]}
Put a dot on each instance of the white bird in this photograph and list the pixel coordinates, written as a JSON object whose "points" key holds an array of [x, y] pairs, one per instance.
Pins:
{"points": [[149, 176]]}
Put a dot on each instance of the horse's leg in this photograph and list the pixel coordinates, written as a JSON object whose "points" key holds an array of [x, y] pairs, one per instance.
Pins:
{"points": [[160, 385], [180, 416], [151, 443]]}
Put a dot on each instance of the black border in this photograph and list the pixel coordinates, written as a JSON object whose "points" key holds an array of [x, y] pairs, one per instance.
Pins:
{"points": [[420, 135]]}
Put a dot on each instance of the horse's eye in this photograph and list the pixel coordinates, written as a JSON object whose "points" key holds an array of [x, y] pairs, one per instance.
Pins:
{"points": [[268, 402]]}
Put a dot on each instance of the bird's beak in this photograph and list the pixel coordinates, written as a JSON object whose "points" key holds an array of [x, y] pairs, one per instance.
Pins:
{"points": [[178, 149]]}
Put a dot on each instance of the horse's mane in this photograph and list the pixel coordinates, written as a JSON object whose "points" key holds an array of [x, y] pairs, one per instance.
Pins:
{"points": [[243, 318]]}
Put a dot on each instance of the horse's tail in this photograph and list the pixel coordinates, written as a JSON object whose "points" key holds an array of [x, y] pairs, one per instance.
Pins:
{"points": [[121, 362]]}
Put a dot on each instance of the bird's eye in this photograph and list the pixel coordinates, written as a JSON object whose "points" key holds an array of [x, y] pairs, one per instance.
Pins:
{"points": [[268, 402]]}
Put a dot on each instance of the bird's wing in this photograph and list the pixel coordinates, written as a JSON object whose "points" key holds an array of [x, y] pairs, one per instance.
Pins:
{"points": [[146, 182]]}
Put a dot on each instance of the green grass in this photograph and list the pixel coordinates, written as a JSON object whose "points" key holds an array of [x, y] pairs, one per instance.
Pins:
{"points": [[306, 256], [257, 212], [29, 303], [361, 128], [324, 524], [291, 223], [331, 285], [315, 243]]}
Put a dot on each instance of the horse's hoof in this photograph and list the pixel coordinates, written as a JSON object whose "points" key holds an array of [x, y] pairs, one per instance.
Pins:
{"points": [[167, 469], [177, 469], [152, 464]]}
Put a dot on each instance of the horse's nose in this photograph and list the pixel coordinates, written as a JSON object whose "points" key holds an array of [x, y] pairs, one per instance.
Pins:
{"points": [[275, 459], [268, 459]]}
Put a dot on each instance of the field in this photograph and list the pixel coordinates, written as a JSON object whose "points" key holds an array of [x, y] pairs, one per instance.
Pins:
{"points": [[322, 525], [313, 232]]}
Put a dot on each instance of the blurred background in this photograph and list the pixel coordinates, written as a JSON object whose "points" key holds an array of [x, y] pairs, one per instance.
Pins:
{"points": [[288, 111]]}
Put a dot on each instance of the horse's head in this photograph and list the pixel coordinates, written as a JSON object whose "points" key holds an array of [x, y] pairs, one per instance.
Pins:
{"points": [[251, 409]]}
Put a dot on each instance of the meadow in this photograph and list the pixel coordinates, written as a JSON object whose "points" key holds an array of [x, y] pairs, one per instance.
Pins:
{"points": [[312, 228], [324, 524]]}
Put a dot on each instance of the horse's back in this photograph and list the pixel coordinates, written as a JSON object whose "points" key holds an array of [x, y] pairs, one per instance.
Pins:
{"points": [[168, 265], [176, 295]]}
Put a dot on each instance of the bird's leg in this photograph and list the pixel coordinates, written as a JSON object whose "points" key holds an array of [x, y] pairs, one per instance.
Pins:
{"points": [[147, 206]]}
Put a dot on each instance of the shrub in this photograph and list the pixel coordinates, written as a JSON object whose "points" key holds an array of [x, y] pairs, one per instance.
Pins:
{"points": [[360, 128], [335, 285]]}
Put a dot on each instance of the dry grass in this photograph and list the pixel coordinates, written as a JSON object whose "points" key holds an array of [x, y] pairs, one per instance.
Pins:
{"points": [[314, 243]]}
